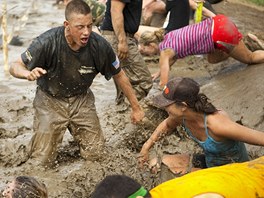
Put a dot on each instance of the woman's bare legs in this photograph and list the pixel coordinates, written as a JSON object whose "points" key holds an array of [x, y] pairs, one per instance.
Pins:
{"points": [[244, 55], [240, 52], [217, 56]]}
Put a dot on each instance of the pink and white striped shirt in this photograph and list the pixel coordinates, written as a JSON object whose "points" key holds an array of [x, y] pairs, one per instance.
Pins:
{"points": [[190, 40]]}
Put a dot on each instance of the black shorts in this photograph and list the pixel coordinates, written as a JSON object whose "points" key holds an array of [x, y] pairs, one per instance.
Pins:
{"points": [[198, 161]]}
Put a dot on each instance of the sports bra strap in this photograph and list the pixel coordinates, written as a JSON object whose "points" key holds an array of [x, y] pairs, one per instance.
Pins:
{"points": [[205, 125]]}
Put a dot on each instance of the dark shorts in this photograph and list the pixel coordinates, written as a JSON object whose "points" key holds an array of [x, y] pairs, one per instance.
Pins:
{"points": [[198, 161]]}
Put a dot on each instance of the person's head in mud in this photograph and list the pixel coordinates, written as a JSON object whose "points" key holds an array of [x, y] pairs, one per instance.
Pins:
{"points": [[119, 186], [182, 96], [78, 24], [148, 43], [25, 187]]}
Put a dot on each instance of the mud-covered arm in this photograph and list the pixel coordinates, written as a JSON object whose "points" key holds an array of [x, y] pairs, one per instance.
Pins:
{"points": [[117, 16], [165, 127], [19, 70], [137, 113]]}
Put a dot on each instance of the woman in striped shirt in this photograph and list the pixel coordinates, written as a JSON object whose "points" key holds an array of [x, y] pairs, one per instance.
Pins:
{"points": [[217, 36]]}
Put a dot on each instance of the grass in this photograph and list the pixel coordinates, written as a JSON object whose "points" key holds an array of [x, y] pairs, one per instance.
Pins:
{"points": [[257, 2]]}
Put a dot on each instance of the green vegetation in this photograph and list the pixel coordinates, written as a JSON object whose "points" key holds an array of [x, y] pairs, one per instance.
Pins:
{"points": [[257, 2]]}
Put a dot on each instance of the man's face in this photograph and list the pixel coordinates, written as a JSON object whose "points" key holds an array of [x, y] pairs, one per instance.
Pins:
{"points": [[79, 28]]}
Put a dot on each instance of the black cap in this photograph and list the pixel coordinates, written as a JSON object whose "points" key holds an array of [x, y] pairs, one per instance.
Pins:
{"points": [[178, 90]]}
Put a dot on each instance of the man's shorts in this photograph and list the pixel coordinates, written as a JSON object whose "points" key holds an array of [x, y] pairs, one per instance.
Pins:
{"points": [[225, 33]]}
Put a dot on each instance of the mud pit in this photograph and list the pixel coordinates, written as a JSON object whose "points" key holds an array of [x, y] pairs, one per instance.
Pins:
{"points": [[232, 86]]}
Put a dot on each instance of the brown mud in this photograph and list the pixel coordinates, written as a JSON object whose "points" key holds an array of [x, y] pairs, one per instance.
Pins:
{"points": [[235, 87]]}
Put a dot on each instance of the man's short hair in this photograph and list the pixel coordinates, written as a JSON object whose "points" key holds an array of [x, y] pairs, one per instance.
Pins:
{"points": [[76, 6], [117, 186]]}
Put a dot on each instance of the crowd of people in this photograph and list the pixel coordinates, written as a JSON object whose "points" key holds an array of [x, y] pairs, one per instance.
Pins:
{"points": [[65, 60]]}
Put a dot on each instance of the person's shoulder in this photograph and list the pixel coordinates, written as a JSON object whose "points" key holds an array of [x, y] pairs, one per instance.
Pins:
{"points": [[222, 112], [51, 34], [99, 40], [218, 119]]}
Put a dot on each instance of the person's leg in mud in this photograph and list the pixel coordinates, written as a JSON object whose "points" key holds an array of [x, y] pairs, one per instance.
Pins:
{"points": [[50, 123], [244, 55], [149, 10], [217, 56], [85, 126], [52, 118], [136, 70], [254, 43], [134, 67], [239, 52], [227, 38]]}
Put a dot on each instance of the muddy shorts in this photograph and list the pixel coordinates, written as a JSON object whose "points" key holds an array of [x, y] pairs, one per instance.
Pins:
{"points": [[134, 66], [225, 33], [53, 116]]}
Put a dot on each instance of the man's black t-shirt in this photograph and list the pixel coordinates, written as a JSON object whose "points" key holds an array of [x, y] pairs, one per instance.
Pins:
{"points": [[69, 73], [132, 16]]}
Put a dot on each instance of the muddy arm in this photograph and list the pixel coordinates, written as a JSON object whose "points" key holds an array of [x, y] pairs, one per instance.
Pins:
{"points": [[122, 80], [163, 128], [18, 69], [117, 8]]}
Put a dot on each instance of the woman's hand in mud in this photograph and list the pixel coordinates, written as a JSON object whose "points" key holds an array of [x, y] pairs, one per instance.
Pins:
{"points": [[36, 73], [143, 158], [137, 116], [155, 76]]}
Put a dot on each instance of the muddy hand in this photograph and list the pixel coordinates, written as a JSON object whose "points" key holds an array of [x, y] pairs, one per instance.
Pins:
{"points": [[137, 116], [143, 159], [36, 73], [154, 165], [122, 51]]}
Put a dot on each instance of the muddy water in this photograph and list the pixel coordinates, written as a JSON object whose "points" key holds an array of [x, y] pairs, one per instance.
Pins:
{"points": [[235, 87]]}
